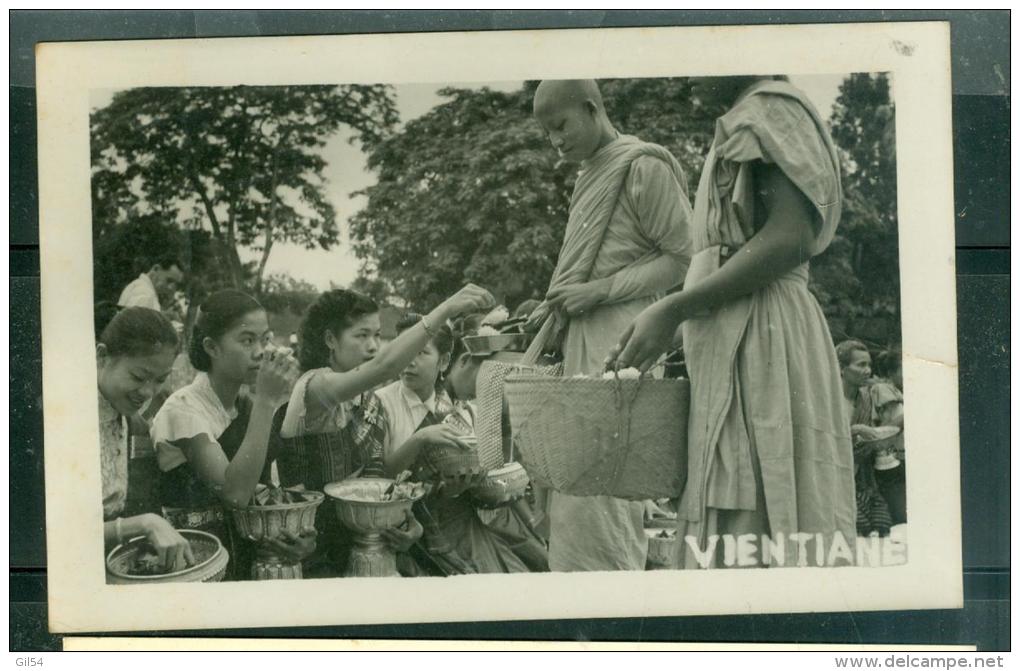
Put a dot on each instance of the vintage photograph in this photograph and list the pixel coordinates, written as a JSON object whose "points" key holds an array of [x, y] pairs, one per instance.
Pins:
{"points": [[465, 326], [298, 288]]}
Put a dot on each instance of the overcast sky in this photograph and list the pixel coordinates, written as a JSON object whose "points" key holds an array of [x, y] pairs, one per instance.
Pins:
{"points": [[346, 173]]}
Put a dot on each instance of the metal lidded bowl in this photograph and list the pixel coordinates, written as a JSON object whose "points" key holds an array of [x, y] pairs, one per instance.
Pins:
{"points": [[502, 485], [503, 342], [209, 551]]}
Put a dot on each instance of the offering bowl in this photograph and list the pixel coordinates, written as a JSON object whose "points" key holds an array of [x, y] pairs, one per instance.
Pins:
{"points": [[259, 523], [501, 486], [361, 507], [123, 562]]}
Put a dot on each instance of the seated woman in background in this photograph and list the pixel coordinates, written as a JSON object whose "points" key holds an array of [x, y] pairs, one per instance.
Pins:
{"points": [[886, 391], [211, 440], [514, 524], [134, 353], [855, 367], [334, 427], [421, 413]]}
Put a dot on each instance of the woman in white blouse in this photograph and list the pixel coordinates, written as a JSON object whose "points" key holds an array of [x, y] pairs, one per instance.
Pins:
{"points": [[212, 440]]}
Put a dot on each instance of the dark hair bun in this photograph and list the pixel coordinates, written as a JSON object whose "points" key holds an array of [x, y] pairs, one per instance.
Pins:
{"points": [[138, 332], [218, 313]]}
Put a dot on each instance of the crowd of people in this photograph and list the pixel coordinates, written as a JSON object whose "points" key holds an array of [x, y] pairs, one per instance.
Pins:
{"points": [[781, 439]]}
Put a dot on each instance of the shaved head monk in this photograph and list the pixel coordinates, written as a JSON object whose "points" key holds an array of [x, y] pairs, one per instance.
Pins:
{"points": [[626, 243]]}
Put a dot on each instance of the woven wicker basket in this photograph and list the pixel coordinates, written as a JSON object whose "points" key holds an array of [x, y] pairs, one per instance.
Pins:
{"points": [[590, 436], [489, 423], [663, 549]]}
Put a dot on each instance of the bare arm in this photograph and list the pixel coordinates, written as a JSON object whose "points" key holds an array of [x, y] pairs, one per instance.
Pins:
{"points": [[332, 388], [404, 456], [173, 549], [233, 480], [782, 244]]}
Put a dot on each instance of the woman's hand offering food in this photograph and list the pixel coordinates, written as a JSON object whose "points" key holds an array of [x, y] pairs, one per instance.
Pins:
{"points": [[498, 315], [472, 298], [278, 372], [401, 539], [646, 339], [296, 547], [173, 549]]}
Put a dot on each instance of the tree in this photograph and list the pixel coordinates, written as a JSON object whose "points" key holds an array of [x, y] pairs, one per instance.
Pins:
{"points": [[857, 279], [473, 191], [123, 251], [283, 293], [242, 162], [375, 288]]}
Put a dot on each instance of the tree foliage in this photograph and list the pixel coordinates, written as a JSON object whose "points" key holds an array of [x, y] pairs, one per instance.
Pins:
{"points": [[124, 251], [473, 191], [857, 279], [242, 162]]}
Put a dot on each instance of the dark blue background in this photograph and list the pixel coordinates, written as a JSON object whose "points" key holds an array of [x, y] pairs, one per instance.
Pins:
{"points": [[980, 50]]}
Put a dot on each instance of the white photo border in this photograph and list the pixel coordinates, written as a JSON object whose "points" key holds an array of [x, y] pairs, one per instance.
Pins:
{"points": [[917, 55]]}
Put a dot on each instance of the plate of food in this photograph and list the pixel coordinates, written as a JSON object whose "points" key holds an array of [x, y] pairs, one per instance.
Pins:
{"points": [[136, 562]]}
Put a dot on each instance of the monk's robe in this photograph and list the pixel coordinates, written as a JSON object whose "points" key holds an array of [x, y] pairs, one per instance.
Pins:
{"points": [[769, 437], [628, 227]]}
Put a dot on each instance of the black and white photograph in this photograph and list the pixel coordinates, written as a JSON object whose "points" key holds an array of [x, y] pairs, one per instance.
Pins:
{"points": [[441, 326]]}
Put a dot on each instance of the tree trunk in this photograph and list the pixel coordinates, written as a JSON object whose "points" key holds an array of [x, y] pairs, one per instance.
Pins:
{"points": [[270, 223], [224, 243]]}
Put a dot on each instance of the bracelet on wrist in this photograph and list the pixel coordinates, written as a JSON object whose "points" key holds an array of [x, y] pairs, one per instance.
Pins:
{"points": [[429, 331]]}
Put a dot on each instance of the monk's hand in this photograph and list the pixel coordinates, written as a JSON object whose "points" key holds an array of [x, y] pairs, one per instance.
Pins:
{"points": [[577, 299], [537, 317], [648, 337]]}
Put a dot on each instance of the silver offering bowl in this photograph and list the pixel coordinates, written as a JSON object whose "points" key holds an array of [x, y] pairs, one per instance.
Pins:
{"points": [[261, 523], [360, 508]]}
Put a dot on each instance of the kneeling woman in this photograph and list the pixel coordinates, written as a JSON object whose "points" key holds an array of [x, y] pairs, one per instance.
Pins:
{"points": [[212, 440], [421, 414], [333, 426], [134, 355]]}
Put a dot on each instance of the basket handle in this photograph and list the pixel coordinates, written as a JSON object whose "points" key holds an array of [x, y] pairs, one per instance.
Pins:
{"points": [[624, 406], [539, 342]]}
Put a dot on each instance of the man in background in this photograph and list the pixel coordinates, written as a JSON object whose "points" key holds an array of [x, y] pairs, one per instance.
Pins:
{"points": [[154, 286]]}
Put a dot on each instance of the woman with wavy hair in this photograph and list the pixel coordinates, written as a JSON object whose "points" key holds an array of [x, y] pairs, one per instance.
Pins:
{"points": [[334, 426]]}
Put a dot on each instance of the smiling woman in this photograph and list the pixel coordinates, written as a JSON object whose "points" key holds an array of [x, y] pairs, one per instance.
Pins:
{"points": [[134, 355]]}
